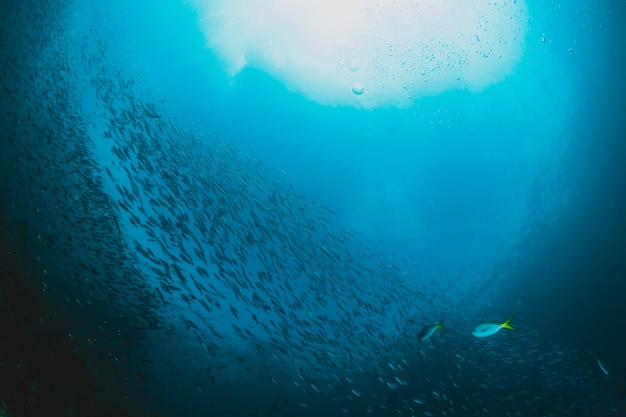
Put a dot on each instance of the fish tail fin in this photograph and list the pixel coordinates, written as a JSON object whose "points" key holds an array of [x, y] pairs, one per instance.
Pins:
{"points": [[507, 324], [440, 325]]}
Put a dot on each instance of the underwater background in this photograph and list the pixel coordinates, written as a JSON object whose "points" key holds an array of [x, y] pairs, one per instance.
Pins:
{"points": [[198, 218]]}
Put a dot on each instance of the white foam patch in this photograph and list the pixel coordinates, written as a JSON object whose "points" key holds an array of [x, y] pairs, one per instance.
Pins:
{"points": [[369, 53]]}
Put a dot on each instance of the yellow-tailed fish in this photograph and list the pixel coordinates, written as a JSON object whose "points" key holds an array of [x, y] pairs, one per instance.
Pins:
{"points": [[489, 329], [428, 331]]}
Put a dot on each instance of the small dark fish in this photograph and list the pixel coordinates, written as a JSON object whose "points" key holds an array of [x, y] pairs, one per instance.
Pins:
{"points": [[428, 331]]}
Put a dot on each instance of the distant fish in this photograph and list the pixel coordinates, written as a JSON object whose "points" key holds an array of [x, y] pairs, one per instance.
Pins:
{"points": [[151, 113], [428, 331], [489, 329], [602, 365]]}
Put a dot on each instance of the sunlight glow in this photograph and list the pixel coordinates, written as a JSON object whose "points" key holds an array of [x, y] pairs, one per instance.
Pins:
{"points": [[369, 53]]}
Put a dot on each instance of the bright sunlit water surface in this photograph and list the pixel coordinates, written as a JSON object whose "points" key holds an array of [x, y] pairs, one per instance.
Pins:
{"points": [[369, 53]]}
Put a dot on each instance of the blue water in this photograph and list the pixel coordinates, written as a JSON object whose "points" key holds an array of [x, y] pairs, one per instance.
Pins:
{"points": [[180, 241]]}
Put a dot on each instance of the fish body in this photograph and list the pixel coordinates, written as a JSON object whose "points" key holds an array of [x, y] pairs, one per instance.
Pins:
{"points": [[428, 331], [489, 329], [602, 365]]}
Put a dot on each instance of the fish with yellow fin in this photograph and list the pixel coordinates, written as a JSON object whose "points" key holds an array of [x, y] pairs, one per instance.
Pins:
{"points": [[428, 331], [489, 329]]}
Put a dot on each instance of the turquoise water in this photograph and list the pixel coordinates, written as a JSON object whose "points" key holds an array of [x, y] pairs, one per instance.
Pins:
{"points": [[183, 239]]}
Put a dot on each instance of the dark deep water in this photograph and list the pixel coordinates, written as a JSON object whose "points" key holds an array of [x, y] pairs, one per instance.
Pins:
{"points": [[174, 244]]}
